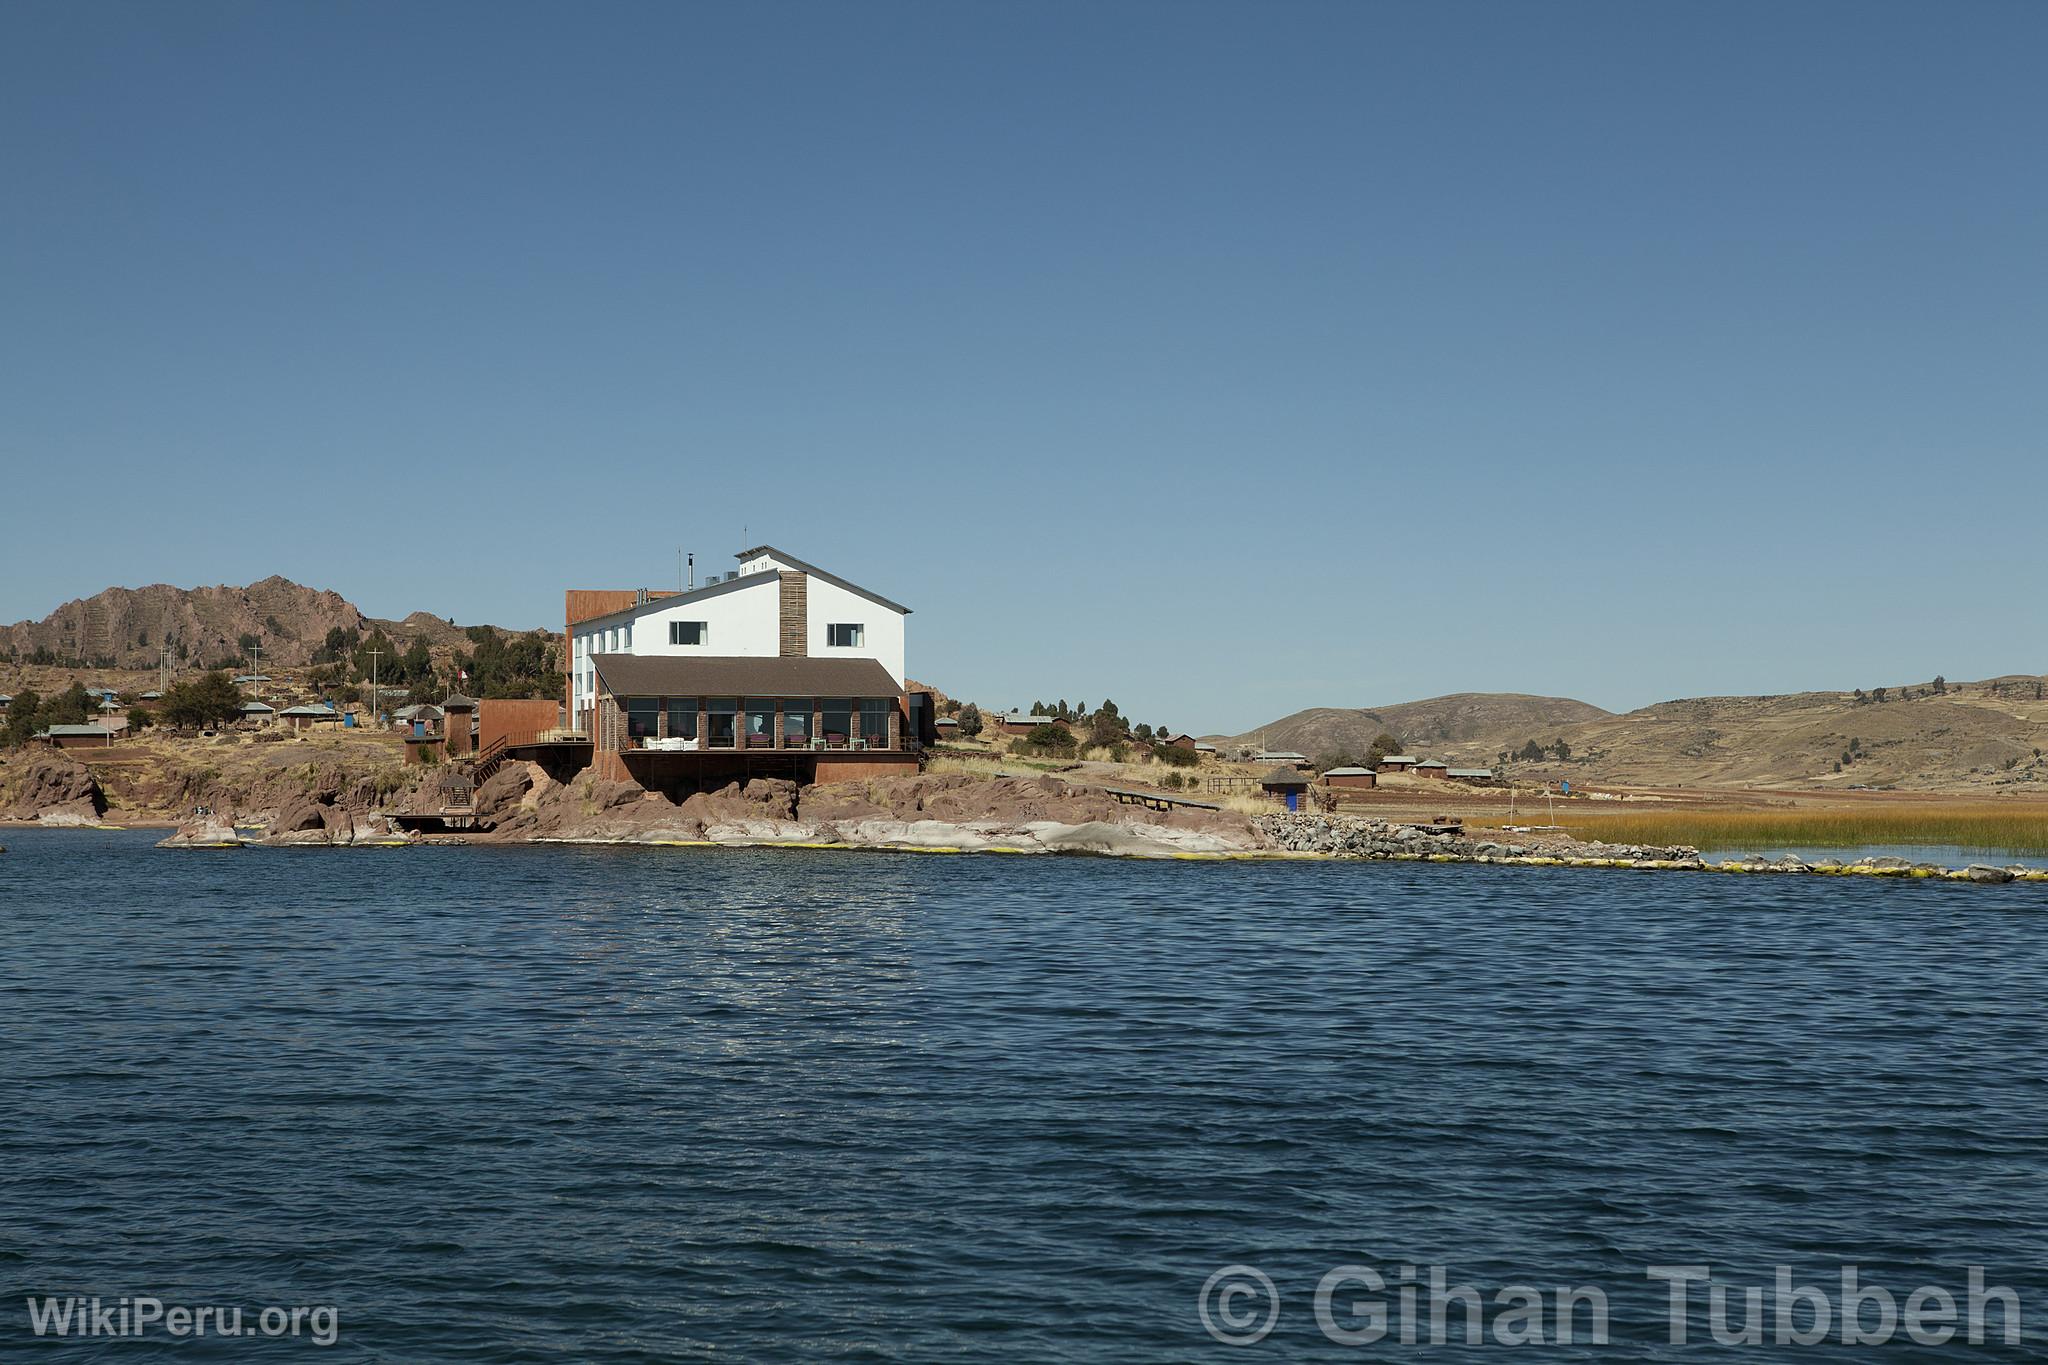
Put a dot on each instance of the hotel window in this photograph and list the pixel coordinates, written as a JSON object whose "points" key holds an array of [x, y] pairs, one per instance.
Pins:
{"points": [[626, 637], [720, 713], [851, 636], [642, 716], [760, 723], [682, 717], [689, 632], [874, 719], [796, 723], [838, 721]]}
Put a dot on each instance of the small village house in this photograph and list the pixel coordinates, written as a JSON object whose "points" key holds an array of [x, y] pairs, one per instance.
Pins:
{"points": [[1286, 786], [1353, 778], [258, 713], [309, 716], [1396, 763], [1205, 750], [1181, 742], [1285, 757], [1473, 775], [1430, 767], [78, 737]]}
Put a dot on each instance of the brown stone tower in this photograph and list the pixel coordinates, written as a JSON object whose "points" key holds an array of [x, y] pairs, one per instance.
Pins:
{"points": [[458, 711]]}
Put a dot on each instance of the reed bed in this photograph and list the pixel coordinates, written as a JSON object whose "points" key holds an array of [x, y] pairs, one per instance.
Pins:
{"points": [[1999, 827]]}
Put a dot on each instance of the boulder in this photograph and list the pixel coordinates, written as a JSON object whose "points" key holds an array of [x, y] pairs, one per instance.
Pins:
{"points": [[505, 789], [204, 831], [1987, 875], [56, 789]]}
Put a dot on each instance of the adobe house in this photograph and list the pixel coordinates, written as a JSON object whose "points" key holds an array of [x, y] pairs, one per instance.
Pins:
{"points": [[775, 669], [1286, 786], [78, 737], [1473, 775], [1354, 778], [1396, 763], [1181, 742], [257, 713], [1429, 767], [1015, 723], [1299, 762], [308, 716]]}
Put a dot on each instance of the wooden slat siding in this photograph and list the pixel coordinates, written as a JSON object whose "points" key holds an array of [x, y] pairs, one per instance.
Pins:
{"points": [[795, 597]]}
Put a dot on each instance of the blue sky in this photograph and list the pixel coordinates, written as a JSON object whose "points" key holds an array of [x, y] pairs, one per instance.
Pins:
{"points": [[1223, 359]]}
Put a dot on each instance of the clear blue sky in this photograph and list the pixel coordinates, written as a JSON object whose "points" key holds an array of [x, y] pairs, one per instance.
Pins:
{"points": [[1221, 358]]}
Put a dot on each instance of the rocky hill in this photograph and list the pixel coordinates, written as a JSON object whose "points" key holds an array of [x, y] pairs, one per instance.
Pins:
{"points": [[125, 627], [1475, 722]]}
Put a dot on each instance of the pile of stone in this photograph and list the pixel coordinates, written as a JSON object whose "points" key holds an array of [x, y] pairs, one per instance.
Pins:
{"points": [[1358, 837]]}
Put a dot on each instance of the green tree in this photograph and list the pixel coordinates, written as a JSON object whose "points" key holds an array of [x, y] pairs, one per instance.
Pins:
{"points": [[140, 718], [210, 699], [970, 720], [73, 706], [1048, 739], [1383, 744], [23, 718]]}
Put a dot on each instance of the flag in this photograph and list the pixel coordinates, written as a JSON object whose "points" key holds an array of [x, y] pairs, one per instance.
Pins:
{"points": [[462, 673]]}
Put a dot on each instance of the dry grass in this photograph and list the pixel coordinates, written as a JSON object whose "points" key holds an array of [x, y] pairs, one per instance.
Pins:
{"points": [[1965, 825]]}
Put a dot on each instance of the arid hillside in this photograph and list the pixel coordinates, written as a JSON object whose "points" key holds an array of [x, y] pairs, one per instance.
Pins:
{"points": [[1467, 722], [1981, 734], [1935, 735]]}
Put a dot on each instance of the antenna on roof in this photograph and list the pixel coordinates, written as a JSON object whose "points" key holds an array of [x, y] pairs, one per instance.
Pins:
{"points": [[693, 571]]}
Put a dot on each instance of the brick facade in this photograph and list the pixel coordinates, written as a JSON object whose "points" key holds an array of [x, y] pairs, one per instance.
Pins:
{"points": [[795, 633]]}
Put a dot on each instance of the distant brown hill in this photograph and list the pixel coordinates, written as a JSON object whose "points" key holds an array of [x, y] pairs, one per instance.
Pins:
{"points": [[1470, 722], [124, 627], [1991, 734]]}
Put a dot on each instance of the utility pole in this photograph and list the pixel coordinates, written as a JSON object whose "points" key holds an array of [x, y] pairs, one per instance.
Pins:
{"points": [[376, 697], [163, 668]]}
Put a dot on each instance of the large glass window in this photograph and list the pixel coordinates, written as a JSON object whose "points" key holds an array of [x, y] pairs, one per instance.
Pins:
{"points": [[721, 715], [689, 632], [848, 636], [796, 723], [760, 722], [838, 721], [682, 717], [874, 720], [643, 714]]}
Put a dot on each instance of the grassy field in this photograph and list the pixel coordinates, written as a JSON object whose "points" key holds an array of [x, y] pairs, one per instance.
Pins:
{"points": [[1969, 825]]}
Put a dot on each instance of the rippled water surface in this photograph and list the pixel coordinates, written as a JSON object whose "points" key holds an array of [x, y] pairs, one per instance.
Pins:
{"points": [[585, 1104]]}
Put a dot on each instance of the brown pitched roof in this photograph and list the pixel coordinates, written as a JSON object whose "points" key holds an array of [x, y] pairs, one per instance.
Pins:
{"points": [[636, 675]]}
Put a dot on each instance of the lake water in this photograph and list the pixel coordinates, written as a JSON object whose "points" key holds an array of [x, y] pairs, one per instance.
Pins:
{"points": [[561, 1104]]}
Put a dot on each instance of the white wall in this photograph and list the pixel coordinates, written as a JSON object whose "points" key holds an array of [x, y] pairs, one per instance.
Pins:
{"points": [[829, 604], [743, 619]]}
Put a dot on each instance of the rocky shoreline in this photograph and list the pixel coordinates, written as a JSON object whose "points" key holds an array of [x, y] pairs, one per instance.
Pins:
{"points": [[958, 814], [1351, 837]]}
